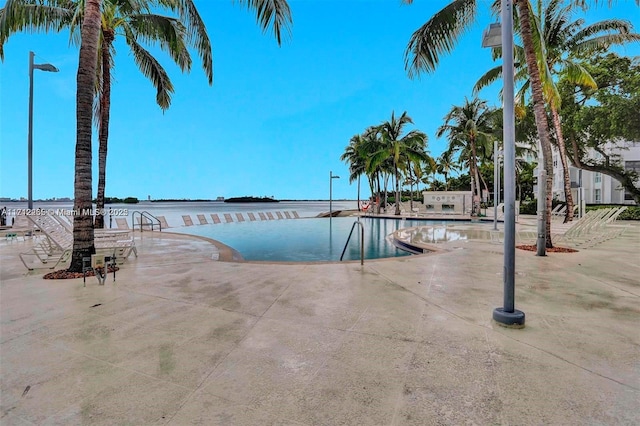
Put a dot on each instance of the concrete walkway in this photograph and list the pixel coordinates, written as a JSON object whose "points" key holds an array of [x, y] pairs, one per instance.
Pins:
{"points": [[183, 339]]}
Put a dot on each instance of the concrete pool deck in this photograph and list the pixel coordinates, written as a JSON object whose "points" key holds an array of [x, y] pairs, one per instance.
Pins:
{"points": [[182, 339]]}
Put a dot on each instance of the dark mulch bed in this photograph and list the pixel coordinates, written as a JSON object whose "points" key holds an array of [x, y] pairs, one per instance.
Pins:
{"points": [[66, 275], [556, 249]]}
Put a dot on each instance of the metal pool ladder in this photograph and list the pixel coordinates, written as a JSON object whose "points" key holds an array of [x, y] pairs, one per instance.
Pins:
{"points": [[357, 222]]}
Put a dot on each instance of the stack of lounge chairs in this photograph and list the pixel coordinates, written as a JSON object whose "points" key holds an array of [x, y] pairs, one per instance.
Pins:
{"points": [[55, 243], [594, 227]]}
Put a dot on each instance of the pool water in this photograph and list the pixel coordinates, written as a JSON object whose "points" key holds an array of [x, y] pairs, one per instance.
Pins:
{"points": [[308, 240]]}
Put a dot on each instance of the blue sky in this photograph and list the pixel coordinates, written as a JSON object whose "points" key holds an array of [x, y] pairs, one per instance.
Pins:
{"points": [[276, 119]]}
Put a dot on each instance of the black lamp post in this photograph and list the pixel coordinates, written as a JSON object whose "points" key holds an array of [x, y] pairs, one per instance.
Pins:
{"points": [[507, 315], [331, 178], [42, 67]]}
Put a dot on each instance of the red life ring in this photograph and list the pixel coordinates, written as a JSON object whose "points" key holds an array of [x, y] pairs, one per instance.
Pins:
{"points": [[364, 205]]}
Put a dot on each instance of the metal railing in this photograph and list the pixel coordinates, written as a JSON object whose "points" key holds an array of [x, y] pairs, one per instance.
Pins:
{"points": [[147, 220], [357, 222]]}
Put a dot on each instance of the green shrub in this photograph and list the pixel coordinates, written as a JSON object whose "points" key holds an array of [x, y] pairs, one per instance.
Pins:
{"points": [[529, 207], [631, 213], [130, 200]]}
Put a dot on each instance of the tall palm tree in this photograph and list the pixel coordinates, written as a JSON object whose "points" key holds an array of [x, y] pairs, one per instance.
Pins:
{"points": [[468, 127], [560, 41], [399, 148], [441, 33], [355, 156], [136, 21], [445, 164], [83, 244]]}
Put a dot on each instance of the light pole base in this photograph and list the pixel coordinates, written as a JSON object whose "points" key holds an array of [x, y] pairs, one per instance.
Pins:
{"points": [[513, 319]]}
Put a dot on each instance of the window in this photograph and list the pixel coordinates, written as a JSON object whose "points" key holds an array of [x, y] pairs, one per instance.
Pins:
{"points": [[632, 165], [598, 177], [598, 195]]}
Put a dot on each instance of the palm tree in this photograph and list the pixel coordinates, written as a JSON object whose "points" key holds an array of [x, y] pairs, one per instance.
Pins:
{"points": [[400, 149], [135, 21], [468, 127], [83, 244], [355, 155], [440, 34], [445, 164], [560, 41]]}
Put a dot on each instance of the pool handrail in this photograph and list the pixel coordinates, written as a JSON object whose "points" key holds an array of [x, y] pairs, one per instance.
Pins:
{"points": [[146, 219], [357, 222]]}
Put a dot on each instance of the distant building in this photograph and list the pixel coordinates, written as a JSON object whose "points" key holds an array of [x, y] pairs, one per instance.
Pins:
{"points": [[597, 188], [220, 199]]}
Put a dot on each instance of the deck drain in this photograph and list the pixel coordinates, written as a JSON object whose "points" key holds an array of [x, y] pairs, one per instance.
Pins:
{"points": [[97, 304]]}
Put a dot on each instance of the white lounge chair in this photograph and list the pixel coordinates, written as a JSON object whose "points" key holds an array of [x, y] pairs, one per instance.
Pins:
{"points": [[163, 222], [56, 246]]}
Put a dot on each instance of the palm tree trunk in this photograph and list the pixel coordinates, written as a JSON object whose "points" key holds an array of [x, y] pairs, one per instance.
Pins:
{"points": [[358, 192], [568, 196], [484, 183], [103, 135], [475, 182], [397, 212], [539, 113], [83, 243]]}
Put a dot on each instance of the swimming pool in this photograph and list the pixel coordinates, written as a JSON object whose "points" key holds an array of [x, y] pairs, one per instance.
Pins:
{"points": [[308, 240]]}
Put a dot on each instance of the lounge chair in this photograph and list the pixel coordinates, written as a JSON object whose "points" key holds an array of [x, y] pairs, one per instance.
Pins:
{"points": [[143, 222], [202, 219], [122, 223], [228, 218], [163, 222], [287, 215], [252, 217], [559, 213], [279, 215], [262, 216], [240, 217], [577, 230], [601, 229], [270, 216], [295, 214], [187, 220], [56, 247], [215, 218]]}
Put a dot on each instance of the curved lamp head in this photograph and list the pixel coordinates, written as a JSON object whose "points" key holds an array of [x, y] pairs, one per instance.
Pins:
{"points": [[45, 67]]}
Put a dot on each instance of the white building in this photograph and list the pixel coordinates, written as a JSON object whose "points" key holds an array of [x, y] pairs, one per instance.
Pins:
{"points": [[597, 188]]}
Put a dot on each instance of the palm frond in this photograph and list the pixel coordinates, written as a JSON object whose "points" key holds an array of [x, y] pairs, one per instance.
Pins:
{"points": [[167, 32], [152, 69], [31, 16], [197, 36], [271, 14], [438, 36], [577, 74], [487, 79]]}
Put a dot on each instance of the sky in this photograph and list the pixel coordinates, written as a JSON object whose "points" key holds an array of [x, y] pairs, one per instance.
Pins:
{"points": [[274, 123]]}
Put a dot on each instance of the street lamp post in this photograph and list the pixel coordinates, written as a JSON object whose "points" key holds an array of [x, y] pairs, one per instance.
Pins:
{"points": [[42, 67], [496, 185], [507, 315], [331, 178]]}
